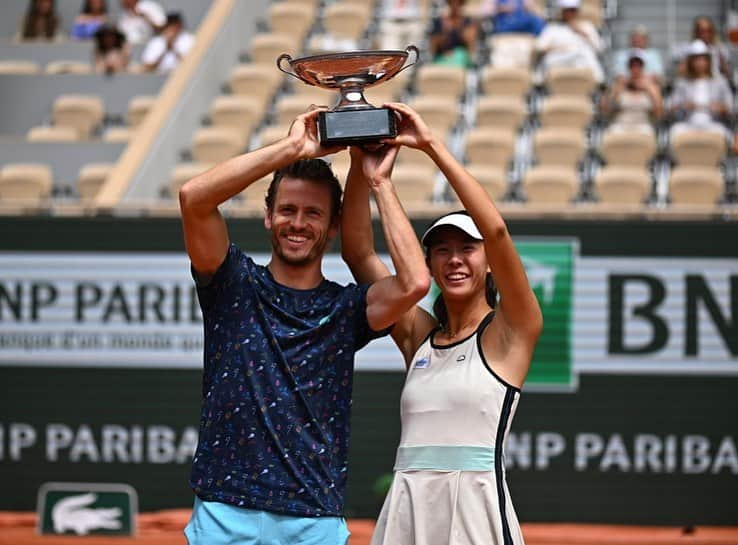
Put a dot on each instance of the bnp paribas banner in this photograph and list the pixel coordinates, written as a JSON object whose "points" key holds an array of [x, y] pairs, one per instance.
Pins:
{"points": [[602, 315], [628, 414]]}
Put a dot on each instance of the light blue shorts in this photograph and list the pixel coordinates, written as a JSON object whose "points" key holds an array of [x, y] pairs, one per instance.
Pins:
{"points": [[215, 523]]}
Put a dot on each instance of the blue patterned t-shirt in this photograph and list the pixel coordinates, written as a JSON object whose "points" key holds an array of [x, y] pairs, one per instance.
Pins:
{"points": [[277, 380]]}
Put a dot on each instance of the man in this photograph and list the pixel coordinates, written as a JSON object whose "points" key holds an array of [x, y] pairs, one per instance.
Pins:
{"points": [[140, 20], [271, 461], [651, 57], [164, 52]]}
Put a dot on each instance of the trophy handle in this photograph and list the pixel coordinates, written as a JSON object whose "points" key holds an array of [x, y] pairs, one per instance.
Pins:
{"points": [[288, 58], [411, 49]]}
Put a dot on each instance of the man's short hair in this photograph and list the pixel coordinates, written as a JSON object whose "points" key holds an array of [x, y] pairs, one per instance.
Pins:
{"points": [[313, 170]]}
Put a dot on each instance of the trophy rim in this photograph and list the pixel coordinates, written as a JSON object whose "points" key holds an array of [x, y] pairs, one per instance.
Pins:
{"points": [[304, 68], [351, 54]]}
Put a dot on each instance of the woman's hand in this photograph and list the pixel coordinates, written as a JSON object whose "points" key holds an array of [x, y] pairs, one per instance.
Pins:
{"points": [[411, 129], [376, 163]]}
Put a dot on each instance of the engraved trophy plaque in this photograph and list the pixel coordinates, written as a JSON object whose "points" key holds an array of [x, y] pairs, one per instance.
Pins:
{"points": [[352, 120]]}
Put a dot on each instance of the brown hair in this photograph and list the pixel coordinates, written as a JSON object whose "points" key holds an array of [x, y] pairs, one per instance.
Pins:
{"points": [[313, 170], [30, 23]]}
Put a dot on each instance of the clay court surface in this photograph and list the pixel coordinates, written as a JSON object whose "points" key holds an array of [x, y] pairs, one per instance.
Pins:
{"points": [[165, 528]]}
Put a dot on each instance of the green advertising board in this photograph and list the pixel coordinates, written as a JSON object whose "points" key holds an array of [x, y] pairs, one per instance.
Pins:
{"points": [[87, 509]]}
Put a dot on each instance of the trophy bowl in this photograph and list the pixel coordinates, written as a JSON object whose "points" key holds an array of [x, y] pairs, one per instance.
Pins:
{"points": [[352, 120]]}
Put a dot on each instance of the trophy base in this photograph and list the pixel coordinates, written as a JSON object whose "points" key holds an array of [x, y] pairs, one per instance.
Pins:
{"points": [[353, 127]]}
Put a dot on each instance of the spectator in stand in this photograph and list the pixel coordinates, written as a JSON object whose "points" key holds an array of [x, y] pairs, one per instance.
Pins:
{"points": [[704, 29], [140, 20], [654, 65], [94, 14], [453, 36], [111, 51], [400, 24], [164, 52], [515, 16], [41, 21], [634, 100], [571, 41], [702, 100]]}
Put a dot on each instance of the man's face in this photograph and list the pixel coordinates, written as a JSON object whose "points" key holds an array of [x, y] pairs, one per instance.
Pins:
{"points": [[639, 41], [300, 221]]}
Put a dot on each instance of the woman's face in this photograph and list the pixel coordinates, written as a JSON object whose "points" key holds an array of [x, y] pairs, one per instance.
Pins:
{"points": [[45, 7], [97, 7], [700, 64], [636, 68], [458, 264], [705, 31]]}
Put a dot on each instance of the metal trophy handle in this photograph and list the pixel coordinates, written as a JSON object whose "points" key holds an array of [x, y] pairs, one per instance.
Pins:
{"points": [[410, 49], [287, 57]]}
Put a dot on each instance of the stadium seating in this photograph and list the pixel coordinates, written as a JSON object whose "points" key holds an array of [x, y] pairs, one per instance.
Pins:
{"points": [[91, 178], [622, 185], [25, 182], [695, 185]]}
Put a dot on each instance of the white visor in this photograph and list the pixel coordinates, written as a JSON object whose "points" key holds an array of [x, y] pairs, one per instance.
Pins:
{"points": [[460, 220]]}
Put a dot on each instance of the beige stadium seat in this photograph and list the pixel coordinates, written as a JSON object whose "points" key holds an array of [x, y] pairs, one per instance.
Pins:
{"points": [[573, 112], [311, 94], [388, 91], [289, 107], [10, 66], [138, 107], [490, 146], [29, 183], [698, 148], [91, 178], [592, 12], [512, 49], [439, 80], [414, 182], [492, 179], [265, 48], [291, 18], [623, 148], [237, 112], [558, 146], [500, 112], [69, 67], [52, 134], [346, 20], [256, 192], [82, 112], [272, 134], [568, 80], [623, 184], [216, 144], [550, 184], [505, 81], [183, 172], [118, 134], [258, 81], [440, 113], [695, 185]]}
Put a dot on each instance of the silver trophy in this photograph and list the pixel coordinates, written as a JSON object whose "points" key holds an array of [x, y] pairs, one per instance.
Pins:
{"points": [[352, 120]]}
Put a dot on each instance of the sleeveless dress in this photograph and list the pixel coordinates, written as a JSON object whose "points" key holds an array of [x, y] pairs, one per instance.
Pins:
{"points": [[449, 483]]}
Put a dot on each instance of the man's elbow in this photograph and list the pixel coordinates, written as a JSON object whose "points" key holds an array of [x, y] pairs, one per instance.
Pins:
{"points": [[187, 195]]}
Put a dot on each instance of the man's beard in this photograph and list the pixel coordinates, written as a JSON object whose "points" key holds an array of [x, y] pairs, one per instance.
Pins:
{"points": [[315, 252]]}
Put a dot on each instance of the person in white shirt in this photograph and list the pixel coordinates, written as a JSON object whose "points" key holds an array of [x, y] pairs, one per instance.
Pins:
{"points": [[400, 24], [164, 52], [571, 41], [140, 20]]}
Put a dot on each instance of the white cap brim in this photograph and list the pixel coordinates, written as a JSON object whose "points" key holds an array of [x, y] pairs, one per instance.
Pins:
{"points": [[460, 220]]}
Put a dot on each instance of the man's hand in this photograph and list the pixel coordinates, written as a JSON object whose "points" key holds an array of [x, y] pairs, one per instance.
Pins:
{"points": [[375, 164], [304, 135], [411, 129]]}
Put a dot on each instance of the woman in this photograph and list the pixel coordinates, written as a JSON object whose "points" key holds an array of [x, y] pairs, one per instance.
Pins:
{"points": [[704, 29], [571, 41], [702, 100], [466, 364], [41, 21], [94, 14], [111, 51], [453, 36], [635, 100]]}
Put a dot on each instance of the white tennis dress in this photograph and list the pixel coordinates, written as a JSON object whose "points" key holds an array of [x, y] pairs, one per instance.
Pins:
{"points": [[449, 480]]}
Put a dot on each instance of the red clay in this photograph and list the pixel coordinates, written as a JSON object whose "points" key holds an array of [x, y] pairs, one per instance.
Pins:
{"points": [[165, 528]]}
